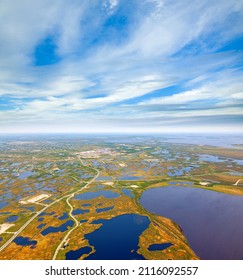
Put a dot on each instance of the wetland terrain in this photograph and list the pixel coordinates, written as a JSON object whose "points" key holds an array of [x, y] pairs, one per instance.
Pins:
{"points": [[121, 197]]}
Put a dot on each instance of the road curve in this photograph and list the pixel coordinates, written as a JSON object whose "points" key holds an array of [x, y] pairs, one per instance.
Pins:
{"points": [[236, 183], [46, 207], [71, 210]]}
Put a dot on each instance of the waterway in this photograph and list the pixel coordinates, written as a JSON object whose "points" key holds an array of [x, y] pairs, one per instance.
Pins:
{"points": [[211, 221]]}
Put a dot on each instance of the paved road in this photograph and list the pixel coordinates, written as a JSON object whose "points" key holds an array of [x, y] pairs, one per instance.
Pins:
{"points": [[71, 210], [46, 207], [28, 222], [235, 184]]}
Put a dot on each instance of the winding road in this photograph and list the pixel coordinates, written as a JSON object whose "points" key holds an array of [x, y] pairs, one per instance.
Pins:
{"points": [[236, 183], [71, 210], [49, 205]]}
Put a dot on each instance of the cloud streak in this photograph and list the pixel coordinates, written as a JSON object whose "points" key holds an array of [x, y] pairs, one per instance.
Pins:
{"points": [[148, 64]]}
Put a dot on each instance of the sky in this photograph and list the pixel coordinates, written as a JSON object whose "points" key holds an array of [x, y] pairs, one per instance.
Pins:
{"points": [[150, 66]]}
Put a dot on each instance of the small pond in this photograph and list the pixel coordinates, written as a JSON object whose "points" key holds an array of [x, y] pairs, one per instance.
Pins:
{"points": [[159, 247], [61, 228], [25, 241], [99, 210], [12, 218], [79, 211]]}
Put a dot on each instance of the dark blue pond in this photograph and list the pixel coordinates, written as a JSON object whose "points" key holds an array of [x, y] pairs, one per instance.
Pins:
{"points": [[83, 221], [1, 239], [64, 216], [40, 219], [159, 247], [30, 208], [86, 204], [80, 211], [76, 254], [47, 214], [25, 241], [40, 226], [128, 192], [212, 221], [112, 242], [99, 210], [91, 195], [13, 218], [61, 228]]}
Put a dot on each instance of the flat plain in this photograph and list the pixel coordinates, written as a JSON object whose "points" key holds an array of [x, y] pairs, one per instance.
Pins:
{"points": [[99, 197]]}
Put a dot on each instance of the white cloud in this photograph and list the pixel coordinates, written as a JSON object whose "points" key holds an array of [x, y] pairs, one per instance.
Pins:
{"points": [[225, 88], [145, 60], [180, 22], [74, 102]]}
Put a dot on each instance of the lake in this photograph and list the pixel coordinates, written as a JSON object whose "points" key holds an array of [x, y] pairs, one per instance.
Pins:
{"points": [[212, 222], [117, 238]]}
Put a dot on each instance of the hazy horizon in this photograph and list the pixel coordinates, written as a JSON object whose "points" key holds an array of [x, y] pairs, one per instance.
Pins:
{"points": [[122, 133]]}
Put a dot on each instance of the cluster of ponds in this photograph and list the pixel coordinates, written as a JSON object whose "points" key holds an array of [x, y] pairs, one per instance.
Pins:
{"points": [[92, 195], [212, 222], [210, 158]]}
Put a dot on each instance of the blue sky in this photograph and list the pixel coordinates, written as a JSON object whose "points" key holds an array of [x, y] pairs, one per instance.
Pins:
{"points": [[121, 66]]}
